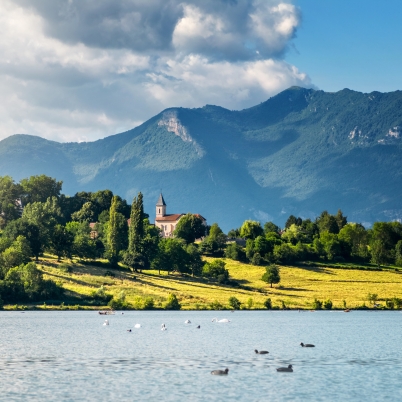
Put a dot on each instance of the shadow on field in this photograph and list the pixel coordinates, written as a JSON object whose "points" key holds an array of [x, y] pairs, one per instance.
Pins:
{"points": [[318, 270], [77, 281], [296, 289]]}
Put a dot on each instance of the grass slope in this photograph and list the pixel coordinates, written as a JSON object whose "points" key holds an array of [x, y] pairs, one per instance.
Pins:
{"points": [[298, 288]]}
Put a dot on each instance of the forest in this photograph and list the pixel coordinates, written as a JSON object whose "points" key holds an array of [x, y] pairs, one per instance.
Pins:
{"points": [[37, 218]]}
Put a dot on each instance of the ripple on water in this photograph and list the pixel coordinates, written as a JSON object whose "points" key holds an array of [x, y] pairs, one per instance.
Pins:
{"points": [[71, 356]]}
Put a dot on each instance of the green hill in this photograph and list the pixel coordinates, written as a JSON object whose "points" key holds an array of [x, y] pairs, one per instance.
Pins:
{"points": [[298, 153]]}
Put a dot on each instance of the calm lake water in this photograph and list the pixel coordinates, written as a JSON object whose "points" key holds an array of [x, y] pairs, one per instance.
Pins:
{"points": [[72, 356]]}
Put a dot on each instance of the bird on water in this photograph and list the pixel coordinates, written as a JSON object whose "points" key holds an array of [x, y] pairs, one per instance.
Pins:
{"points": [[261, 352], [288, 369], [220, 372], [307, 345]]}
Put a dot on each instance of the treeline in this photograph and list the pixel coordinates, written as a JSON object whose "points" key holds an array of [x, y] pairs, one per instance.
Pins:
{"points": [[327, 238], [35, 217]]}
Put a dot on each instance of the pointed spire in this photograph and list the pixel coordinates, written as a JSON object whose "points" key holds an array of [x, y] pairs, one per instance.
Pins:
{"points": [[161, 201]]}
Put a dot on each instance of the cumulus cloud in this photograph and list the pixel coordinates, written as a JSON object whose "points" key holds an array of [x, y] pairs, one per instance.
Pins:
{"points": [[76, 70]]}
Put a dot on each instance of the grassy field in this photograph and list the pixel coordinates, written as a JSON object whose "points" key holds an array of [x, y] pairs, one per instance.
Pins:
{"points": [[298, 288]]}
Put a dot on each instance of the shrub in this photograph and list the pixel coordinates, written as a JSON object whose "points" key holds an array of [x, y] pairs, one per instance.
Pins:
{"points": [[397, 302], [250, 303], [172, 303], [268, 304], [148, 303], [372, 298], [216, 269], [215, 305], [317, 304], [100, 295], [328, 304], [119, 303], [235, 303], [390, 304]]}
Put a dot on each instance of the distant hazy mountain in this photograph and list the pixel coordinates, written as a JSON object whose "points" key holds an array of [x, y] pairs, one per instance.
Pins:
{"points": [[300, 152]]}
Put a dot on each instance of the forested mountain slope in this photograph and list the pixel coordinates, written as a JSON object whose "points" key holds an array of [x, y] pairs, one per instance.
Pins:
{"points": [[298, 153]]}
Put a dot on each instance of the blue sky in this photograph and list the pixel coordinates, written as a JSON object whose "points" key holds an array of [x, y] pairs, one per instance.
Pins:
{"points": [[353, 44], [74, 70]]}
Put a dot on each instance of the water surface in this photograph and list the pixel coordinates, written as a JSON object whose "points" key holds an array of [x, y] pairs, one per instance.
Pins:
{"points": [[72, 356]]}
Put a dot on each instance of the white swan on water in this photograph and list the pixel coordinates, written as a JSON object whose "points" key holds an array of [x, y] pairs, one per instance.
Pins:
{"points": [[163, 327], [106, 322], [137, 326], [222, 320]]}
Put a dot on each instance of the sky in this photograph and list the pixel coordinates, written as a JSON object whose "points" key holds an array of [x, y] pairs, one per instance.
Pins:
{"points": [[74, 70]]}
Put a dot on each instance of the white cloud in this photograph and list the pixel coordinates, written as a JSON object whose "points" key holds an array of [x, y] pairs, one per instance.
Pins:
{"points": [[79, 88], [195, 81]]}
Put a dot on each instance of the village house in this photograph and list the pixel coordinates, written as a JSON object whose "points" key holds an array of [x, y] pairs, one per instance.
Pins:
{"points": [[167, 222]]}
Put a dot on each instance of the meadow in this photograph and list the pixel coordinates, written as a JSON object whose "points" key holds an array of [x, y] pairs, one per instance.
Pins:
{"points": [[298, 288]]}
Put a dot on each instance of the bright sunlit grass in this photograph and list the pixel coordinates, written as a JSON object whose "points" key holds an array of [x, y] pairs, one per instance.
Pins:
{"points": [[297, 289]]}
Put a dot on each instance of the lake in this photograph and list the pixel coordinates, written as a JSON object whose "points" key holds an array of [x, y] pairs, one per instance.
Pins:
{"points": [[72, 356]]}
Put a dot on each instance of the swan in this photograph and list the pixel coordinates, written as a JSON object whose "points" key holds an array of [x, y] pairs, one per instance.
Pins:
{"points": [[287, 369], [220, 372], [106, 322], [222, 320], [163, 327], [187, 322], [307, 345], [137, 326], [261, 352]]}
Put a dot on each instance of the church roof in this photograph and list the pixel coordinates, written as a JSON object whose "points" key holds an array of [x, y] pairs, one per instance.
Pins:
{"points": [[161, 201], [169, 218]]}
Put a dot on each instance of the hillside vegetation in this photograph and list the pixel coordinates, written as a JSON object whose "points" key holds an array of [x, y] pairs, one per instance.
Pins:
{"points": [[298, 288], [293, 154], [195, 266]]}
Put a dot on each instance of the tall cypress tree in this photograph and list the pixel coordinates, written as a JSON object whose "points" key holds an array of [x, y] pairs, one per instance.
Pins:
{"points": [[135, 256], [112, 232], [136, 231]]}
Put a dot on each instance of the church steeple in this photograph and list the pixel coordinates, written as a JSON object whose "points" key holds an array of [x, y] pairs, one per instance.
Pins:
{"points": [[160, 207]]}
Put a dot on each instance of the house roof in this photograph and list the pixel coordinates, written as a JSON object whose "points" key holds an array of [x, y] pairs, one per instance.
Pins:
{"points": [[161, 201], [170, 218]]}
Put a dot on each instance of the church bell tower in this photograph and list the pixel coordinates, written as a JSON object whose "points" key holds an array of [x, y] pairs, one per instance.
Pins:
{"points": [[160, 207]]}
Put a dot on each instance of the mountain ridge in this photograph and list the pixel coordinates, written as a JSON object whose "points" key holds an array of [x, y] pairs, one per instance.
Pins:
{"points": [[300, 152]]}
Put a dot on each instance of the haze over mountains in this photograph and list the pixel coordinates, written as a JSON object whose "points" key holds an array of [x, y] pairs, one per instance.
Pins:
{"points": [[300, 152]]}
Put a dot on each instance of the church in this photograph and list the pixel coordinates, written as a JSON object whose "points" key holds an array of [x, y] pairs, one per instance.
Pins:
{"points": [[167, 222]]}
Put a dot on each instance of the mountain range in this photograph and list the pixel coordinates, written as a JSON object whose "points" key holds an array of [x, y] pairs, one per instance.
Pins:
{"points": [[300, 152]]}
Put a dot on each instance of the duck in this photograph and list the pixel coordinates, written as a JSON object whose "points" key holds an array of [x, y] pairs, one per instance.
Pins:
{"points": [[163, 327], [187, 322], [137, 326], [129, 330], [198, 327], [288, 369], [106, 322], [220, 372], [222, 320], [261, 352], [307, 345]]}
